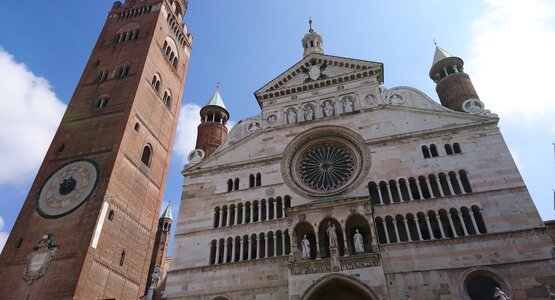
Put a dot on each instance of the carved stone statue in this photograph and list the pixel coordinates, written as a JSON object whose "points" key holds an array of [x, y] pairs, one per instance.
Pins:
{"points": [[332, 235], [305, 247], [155, 277], [359, 242], [291, 117], [348, 106], [329, 109], [500, 295], [308, 113]]}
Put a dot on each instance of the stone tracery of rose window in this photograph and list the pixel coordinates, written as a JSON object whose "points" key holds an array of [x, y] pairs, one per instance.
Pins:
{"points": [[326, 167]]}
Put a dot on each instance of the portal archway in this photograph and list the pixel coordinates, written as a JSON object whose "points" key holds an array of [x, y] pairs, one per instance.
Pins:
{"points": [[339, 287]]}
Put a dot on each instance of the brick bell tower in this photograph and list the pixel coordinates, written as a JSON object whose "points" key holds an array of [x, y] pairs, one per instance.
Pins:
{"points": [[87, 227], [212, 131], [453, 84], [159, 254]]}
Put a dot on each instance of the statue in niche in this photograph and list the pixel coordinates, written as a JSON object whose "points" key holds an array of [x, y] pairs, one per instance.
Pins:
{"points": [[305, 247], [332, 235], [292, 117], [348, 105], [328, 109], [308, 113], [359, 242], [500, 295]]}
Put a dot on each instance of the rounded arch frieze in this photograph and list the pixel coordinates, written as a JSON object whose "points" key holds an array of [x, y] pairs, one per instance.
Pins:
{"points": [[325, 161]]}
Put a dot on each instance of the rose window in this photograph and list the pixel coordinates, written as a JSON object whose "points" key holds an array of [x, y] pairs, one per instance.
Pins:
{"points": [[326, 167]]}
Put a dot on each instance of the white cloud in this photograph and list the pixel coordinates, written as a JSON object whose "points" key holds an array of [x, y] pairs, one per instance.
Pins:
{"points": [[186, 139], [29, 118], [3, 235], [511, 58]]}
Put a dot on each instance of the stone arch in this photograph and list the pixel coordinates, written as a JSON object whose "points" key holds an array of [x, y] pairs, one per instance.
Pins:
{"points": [[304, 228], [219, 297], [324, 240], [478, 273], [358, 222], [338, 286]]}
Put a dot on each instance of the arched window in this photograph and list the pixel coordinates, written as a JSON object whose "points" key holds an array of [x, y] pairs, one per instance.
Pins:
{"points": [[258, 179], [103, 76], [230, 185], [167, 98], [236, 184], [251, 181], [124, 71], [137, 127], [102, 102], [111, 215], [457, 148], [145, 157], [122, 258], [156, 82], [448, 149], [433, 150], [425, 152]]}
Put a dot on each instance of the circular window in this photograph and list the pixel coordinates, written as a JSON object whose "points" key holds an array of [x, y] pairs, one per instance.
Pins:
{"points": [[325, 161]]}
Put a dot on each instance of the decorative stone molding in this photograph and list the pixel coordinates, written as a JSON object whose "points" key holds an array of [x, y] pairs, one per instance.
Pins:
{"points": [[39, 259], [324, 265]]}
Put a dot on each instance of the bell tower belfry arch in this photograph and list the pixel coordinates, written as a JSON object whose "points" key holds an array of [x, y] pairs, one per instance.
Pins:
{"points": [[87, 227]]}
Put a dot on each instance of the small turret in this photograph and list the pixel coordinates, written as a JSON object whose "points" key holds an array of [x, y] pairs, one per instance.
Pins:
{"points": [[453, 85], [160, 251], [312, 41], [212, 130]]}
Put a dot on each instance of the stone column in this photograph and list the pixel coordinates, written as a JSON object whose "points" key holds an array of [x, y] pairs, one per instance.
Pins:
{"points": [[249, 247], [380, 194], [283, 209], [275, 244], [430, 228], [242, 250], [275, 209], [228, 219], [244, 214], [389, 193], [463, 225], [384, 223], [439, 187], [452, 225], [440, 225], [429, 187], [417, 181], [396, 231], [399, 192], [251, 217], [221, 218], [215, 215], [217, 258], [225, 252], [407, 182], [259, 211], [418, 229], [257, 245], [267, 211], [236, 213], [448, 178], [460, 183], [407, 229], [283, 242], [474, 222], [233, 251], [266, 243]]}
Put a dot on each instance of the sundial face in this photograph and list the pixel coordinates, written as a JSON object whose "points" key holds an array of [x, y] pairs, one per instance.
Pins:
{"points": [[67, 188]]}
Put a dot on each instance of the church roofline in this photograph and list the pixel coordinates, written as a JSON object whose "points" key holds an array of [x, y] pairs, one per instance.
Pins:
{"points": [[272, 88]]}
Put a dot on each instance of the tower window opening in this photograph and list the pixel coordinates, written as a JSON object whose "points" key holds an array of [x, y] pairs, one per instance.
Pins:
{"points": [[101, 103], [111, 215], [122, 258], [103, 76], [230, 185], [457, 148], [167, 98], [137, 126], [19, 244], [448, 149], [426, 152], [236, 184], [145, 157], [433, 150], [124, 71], [311, 43], [156, 83], [61, 148], [258, 179], [251, 181]]}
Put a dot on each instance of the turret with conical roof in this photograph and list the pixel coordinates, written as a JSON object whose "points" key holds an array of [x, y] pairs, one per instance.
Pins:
{"points": [[212, 130], [160, 251], [312, 41], [453, 84]]}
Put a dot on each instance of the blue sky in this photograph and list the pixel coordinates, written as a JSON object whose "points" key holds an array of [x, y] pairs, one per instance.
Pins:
{"points": [[507, 46]]}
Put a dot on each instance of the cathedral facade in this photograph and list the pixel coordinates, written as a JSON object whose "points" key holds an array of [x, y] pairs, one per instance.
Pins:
{"points": [[343, 189]]}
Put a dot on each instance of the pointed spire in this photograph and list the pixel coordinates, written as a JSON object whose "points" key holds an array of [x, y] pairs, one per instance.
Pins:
{"points": [[310, 25], [216, 99], [167, 214], [440, 54]]}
